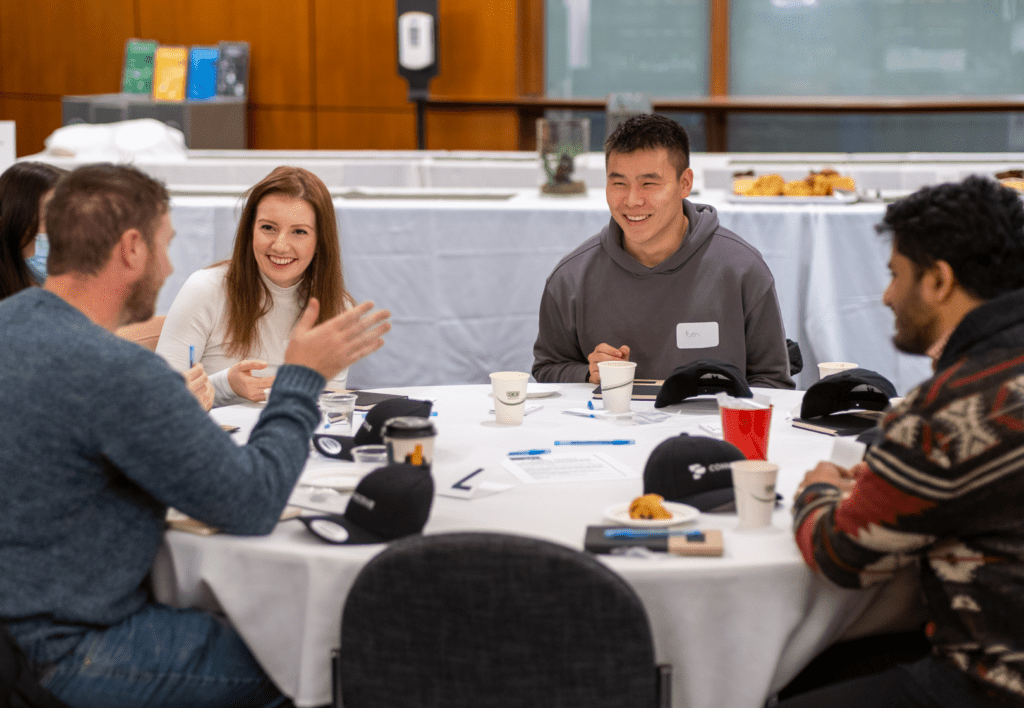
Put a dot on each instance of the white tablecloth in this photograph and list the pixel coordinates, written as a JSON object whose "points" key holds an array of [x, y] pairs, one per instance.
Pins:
{"points": [[734, 628], [464, 277]]}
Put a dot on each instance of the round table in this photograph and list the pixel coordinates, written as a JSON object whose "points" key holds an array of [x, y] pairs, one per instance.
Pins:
{"points": [[734, 628]]}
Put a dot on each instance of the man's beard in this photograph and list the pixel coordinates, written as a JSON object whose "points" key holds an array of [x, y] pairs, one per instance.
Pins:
{"points": [[916, 336], [140, 304]]}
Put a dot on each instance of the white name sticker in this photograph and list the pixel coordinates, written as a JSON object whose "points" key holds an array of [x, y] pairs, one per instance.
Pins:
{"points": [[696, 335]]}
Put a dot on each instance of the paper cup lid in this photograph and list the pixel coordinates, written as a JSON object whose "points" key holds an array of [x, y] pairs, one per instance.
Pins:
{"points": [[409, 427]]}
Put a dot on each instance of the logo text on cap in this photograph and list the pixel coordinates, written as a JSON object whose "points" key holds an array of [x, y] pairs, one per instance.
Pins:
{"points": [[363, 501]]}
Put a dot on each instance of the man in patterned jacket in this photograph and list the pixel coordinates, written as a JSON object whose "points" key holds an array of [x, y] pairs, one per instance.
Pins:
{"points": [[944, 487]]}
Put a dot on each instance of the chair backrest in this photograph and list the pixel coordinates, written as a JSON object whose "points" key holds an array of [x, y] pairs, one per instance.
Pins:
{"points": [[796, 358], [485, 620], [145, 333]]}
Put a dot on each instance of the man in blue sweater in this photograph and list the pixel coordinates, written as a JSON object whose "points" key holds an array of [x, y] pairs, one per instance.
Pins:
{"points": [[101, 437]]}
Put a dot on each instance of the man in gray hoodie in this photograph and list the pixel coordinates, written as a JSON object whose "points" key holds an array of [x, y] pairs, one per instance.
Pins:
{"points": [[663, 284]]}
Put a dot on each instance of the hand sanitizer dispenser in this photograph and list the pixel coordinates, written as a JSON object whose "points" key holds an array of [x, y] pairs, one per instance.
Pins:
{"points": [[415, 40], [417, 45], [417, 55]]}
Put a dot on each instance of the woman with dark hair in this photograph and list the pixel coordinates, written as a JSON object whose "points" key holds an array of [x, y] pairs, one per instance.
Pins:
{"points": [[235, 317], [25, 188]]}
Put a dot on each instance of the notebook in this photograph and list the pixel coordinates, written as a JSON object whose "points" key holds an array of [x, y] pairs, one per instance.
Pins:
{"points": [[679, 542], [839, 423], [643, 389]]}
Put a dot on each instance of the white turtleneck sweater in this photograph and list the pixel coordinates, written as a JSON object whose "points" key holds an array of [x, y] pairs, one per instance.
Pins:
{"points": [[198, 318]]}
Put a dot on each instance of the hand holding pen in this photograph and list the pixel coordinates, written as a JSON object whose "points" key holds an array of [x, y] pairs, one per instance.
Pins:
{"points": [[198, 382]]}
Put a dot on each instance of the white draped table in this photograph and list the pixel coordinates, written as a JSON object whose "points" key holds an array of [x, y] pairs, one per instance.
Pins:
{"points": [[734, 628], [463, 272]]}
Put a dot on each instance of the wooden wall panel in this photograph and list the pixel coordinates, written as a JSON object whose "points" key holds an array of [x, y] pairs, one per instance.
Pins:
{"points": [[280, 129], [34, 119], [323, 72], [479, 43], [356, 63], [279, 34], [366, 130], [530, 52], [58, 47], [473, 130]]}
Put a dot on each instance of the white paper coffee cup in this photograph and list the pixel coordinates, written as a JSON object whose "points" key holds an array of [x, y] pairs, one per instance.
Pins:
{"points": [[409, 440], [509, 390], [616, 384], [828, 368], [753, 483]]}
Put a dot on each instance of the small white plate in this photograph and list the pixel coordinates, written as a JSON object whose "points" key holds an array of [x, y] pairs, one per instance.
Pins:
{"points": [[681, 514], [535, 390], [340, 482], [343, 477]]}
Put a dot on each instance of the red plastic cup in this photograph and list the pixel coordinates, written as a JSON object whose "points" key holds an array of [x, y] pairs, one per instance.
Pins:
{"points": [[747, 430]]}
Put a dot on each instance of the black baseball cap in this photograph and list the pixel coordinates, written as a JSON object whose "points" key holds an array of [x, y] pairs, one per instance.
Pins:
{"points": [[369, 432], [704, 376], [388, 503], [853, 388], [692, 470]]}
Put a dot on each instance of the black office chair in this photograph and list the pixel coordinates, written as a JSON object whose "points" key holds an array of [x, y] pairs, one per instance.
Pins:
{"points": [[485, 620], [18, 686], [796, 358]]}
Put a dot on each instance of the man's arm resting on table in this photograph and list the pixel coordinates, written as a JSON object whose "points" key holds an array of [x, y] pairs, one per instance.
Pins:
{"points": [[556, 354], [856, 541]]}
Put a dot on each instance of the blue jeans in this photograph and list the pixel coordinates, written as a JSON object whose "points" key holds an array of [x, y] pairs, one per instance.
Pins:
{"points": [[159, 656], [928, 683]]}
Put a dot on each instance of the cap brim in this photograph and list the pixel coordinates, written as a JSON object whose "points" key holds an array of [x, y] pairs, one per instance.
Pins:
{"points": [[325, 446], [711, 499], [357, 535]]}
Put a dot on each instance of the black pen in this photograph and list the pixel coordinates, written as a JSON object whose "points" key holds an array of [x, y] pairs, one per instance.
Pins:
{"points": [[461, 483]]}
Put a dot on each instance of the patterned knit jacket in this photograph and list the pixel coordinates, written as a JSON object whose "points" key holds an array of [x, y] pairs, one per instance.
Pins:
{"points": [[945, 489]]}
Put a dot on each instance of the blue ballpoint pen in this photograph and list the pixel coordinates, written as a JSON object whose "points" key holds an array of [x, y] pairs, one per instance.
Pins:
{"points": [[528, 452], [191, 355], [595, 442], [642, 533]]}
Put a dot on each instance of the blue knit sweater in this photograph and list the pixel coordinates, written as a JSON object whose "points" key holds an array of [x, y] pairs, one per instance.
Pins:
{"points": [[99, 438]]}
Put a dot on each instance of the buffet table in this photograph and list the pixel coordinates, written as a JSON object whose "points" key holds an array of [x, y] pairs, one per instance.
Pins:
{"points": [[463, 272], [734, 628]]}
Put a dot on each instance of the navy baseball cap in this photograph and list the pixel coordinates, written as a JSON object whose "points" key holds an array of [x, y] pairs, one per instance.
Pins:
{"points": [[854, 388], [698, 378], [388, 503], [692, 470]]}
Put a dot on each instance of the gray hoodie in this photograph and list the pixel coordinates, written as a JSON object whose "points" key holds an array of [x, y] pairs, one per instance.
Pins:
{"points": [[714, 298]]}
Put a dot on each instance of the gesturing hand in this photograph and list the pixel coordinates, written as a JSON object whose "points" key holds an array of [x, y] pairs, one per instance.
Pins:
{"points": [[340, 341]]}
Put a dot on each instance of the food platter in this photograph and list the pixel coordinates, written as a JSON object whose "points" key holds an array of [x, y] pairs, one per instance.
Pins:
{"points": [[835, 198]]}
